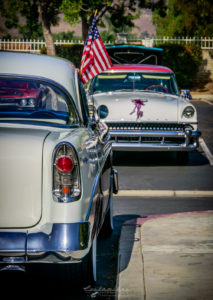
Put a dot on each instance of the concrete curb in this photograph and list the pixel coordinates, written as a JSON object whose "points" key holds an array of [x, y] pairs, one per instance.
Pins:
{"points": [[202, 97], [164, 193]]}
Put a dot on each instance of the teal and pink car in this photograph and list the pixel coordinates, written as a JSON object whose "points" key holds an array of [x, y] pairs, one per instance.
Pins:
{"points": [[144, 109]]}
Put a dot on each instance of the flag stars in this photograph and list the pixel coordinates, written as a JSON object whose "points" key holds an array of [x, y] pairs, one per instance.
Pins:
{"points": [[95, 58], [96, 34]]}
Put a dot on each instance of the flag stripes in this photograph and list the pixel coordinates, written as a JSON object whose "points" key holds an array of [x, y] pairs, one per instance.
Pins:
{"points": [[95, 58]]}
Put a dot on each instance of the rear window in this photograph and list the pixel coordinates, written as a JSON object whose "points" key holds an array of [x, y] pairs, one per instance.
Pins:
{"points": [[34, 101]]}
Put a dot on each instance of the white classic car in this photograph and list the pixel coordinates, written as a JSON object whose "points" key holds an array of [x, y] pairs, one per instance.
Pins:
{"points": [[144, 110], [56, 175]]}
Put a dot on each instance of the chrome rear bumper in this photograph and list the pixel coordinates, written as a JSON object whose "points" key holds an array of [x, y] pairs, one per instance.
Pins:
{"points": [[139, 140], [55, 243]]}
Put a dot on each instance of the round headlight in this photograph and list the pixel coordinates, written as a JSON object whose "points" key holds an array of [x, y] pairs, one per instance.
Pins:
{"points": [[188, 112], [31, 102], [102, 111], [23, 102]]}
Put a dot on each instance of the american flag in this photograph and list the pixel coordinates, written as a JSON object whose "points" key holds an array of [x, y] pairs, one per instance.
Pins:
{"points": [[95, 58]]}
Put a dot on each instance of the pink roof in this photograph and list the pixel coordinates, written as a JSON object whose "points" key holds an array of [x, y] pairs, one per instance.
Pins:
{"points": [[154, 68]]}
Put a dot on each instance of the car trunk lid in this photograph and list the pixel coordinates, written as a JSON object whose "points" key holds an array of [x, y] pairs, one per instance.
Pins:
{"points": [[21, 176]]}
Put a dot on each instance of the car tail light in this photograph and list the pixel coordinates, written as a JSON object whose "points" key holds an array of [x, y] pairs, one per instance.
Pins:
{"points": [[64, 164], [66, 174]]}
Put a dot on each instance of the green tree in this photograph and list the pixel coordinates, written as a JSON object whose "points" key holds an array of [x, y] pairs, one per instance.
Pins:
{"points": [[186, 63], [37, 13], [48, 13], [121, 12], [184, 18], [14, 9]]}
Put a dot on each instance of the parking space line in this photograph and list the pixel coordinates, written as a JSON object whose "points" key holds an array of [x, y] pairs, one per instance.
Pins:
{"points": [[209, 102], [206, 151], [164, 193]]}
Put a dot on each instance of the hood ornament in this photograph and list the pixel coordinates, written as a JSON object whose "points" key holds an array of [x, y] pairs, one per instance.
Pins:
{"points": [[138, 104]]}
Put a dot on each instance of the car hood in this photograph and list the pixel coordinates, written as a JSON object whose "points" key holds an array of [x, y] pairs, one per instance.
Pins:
{"points": [[123, 106], [21, 176]]}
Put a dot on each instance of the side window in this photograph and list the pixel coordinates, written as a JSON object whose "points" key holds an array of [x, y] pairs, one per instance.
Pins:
{"points": [[84, 104]]}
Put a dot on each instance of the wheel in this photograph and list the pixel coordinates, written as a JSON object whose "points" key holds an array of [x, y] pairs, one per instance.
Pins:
{"points": [[108, 226], [182, 157], [81, 274]]}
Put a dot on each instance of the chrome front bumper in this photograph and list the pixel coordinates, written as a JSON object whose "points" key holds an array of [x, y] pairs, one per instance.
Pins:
{"points": [[55, 243], [139, 140]]}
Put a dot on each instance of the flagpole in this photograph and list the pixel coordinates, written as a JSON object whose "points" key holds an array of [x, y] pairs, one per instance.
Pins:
{"points": [[82, 64]]}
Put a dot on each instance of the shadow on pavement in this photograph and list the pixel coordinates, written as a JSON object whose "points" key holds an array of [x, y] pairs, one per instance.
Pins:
{"points": [[107, 260], [45, 283], [195, 158]]}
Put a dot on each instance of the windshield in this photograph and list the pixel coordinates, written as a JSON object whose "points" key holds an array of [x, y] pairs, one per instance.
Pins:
{"points": [[34, 101], [152, 82]]}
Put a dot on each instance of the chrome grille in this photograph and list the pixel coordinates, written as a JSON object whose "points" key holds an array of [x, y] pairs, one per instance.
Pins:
{"points": [[151, 140], [145, 126]]}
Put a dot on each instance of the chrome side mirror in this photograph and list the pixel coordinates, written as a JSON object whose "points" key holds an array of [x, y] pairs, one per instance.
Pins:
{"points": [[186, 94]]}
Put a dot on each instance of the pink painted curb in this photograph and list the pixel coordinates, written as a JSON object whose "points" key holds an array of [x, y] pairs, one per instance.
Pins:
{"points": [[141, 221]]}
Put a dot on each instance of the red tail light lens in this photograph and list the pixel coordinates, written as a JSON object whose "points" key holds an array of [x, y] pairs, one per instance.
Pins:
{"points": [[64, 164], [66, 174]]}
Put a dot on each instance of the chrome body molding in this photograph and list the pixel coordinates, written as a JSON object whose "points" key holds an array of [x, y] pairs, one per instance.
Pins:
{"points": [[159, 140], [62, 242]]}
